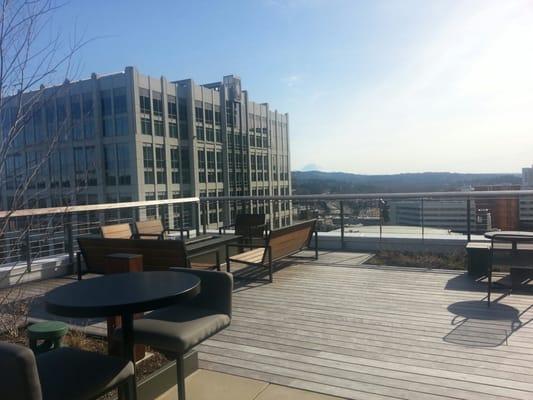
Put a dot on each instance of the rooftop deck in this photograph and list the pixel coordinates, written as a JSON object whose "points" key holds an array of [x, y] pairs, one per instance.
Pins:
{"points": [[337, 327], [348, 330]]}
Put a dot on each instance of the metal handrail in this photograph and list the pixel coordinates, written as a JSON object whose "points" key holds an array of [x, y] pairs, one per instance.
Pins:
{"points": [[94, 207], [310, 197], [360, 196]]}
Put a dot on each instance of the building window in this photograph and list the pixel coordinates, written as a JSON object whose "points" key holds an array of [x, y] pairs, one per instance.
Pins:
{"points": [[146, 126], [75, 107], [174, 165], [182, 108], [87, 100], [110, 164], [184, 131], [107, 127], [123, 158], [208, 113], [200, 133], [88, 128], [172, 107], [121, 125], [173, 130], [151, 211], [218, 135], [198, 111], [185, 166], [106, 102], [160, 165], [119, 100], [201, 159], [158, 104], [217, 115], [210, 134], [144, 100], [159, 128], [148, 162]]}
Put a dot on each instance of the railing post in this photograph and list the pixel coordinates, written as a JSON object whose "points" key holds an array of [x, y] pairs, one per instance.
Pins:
{"points": [[27, 247], [198, 218], [343, 245], [380, 219], [69, 243], [422, 216], [181, 220], [205, 208], [468, 228]]}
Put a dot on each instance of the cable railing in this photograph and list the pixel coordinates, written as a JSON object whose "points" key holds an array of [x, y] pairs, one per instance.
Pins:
{"points": [[33, 234]]}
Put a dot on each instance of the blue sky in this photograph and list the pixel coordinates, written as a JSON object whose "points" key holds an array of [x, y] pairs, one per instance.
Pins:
{"points": [[370, 86]]}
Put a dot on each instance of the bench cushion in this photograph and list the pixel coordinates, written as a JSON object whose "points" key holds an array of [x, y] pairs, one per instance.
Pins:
{"points": [[254, 256]]}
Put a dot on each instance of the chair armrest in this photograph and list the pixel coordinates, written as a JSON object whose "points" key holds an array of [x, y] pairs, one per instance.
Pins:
{"points": [[222, 229], [176, 230], [216, 289]]}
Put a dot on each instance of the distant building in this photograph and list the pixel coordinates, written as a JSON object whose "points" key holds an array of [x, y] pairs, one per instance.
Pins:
{"points": [[127, 136], [504, 212], [526, 202], [446, 214]]}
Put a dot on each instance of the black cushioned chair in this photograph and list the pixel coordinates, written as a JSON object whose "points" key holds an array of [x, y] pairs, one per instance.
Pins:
{"points": [[61, 374], [176, 330]]}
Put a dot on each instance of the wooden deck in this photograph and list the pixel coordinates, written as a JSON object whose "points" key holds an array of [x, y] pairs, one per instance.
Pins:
{"points": [[378, 333], [362, 332]]}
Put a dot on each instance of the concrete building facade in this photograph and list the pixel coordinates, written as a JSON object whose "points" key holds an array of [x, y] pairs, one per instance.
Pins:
{"points": [[128, 136], [446, 214], [526, 202]]}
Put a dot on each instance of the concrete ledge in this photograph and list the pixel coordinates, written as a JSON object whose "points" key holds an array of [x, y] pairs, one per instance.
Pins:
{"points": [[372, 244], [42, 268]]}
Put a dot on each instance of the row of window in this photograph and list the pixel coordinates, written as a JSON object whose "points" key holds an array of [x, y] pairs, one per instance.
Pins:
{"points": [[155, 168], [156, 105]]}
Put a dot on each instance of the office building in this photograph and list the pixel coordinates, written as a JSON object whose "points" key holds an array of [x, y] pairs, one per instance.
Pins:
{"points": [[127, 136]]}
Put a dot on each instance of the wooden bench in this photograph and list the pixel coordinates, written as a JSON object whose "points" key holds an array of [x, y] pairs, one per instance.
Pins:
{"points": [[157, 255], [280, 243], [153, 229], [116, 231]]}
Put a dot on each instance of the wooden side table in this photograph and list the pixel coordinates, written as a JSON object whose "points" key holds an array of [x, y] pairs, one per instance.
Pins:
{"points": [[114, 264]]}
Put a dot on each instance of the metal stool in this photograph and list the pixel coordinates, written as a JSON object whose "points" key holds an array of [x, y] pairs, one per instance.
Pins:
{"points": [[49, 333]]}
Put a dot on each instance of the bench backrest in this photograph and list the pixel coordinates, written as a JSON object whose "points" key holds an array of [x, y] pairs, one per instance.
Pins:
{"points": [[157, 254], [150, 226], [250, 225], [116, 231], [290, 240]]}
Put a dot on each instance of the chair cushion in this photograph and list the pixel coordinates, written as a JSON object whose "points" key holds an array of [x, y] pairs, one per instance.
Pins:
{"points": [[177, 329], [68, 373]]}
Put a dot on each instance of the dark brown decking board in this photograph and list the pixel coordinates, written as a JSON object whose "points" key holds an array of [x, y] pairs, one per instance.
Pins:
{"points": [[375, 333]]}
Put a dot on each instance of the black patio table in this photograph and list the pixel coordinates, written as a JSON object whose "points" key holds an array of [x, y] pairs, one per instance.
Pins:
{"points": [[122, 294], [513, 237]]}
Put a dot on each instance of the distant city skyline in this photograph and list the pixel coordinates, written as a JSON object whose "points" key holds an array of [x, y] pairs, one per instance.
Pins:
{"points": [[374, 87]]}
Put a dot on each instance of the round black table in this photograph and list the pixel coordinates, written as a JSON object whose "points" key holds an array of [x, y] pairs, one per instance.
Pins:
{"points": [[122, 294]]}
